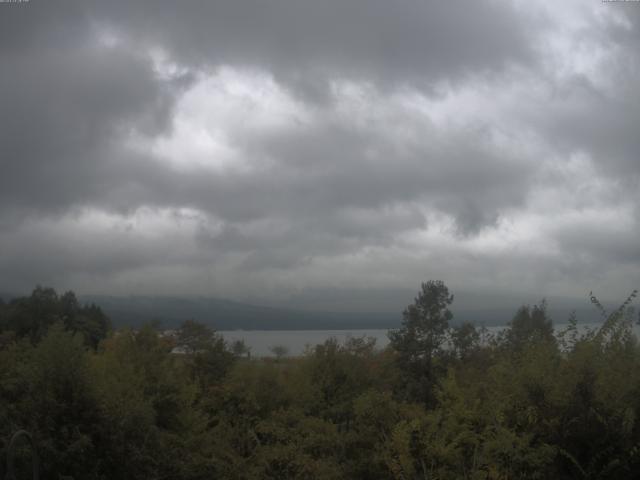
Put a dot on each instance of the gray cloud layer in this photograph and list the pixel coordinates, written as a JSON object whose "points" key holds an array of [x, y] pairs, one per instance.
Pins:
{"points": [[259, 147]]}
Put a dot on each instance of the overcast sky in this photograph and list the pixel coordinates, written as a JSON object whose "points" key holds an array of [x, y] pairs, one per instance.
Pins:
{"points": [[278, 149]]}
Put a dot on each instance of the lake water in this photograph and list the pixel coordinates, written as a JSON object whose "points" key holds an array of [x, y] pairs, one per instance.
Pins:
{"points": [[260, 341], [296, 340]]}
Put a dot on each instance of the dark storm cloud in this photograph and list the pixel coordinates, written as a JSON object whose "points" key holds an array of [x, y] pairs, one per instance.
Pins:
{"points": [[288, 242], [83, 97], [306, 44], [315, 175], [67, 101], [63, 112], [458, 171]]}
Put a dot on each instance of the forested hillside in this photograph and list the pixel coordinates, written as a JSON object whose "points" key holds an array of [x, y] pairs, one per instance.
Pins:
{"points": [[440, 402]]}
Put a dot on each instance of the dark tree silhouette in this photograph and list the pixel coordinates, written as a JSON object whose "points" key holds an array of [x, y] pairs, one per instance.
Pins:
{"points": [[421, 336]]}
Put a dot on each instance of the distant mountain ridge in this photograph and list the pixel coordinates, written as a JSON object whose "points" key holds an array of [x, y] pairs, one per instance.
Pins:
{"points": [[231, 315], [223, 314]]}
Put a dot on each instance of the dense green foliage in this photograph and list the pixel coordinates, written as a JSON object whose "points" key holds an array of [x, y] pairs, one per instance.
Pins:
{"points": [[31, 317], [439, 403]]}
